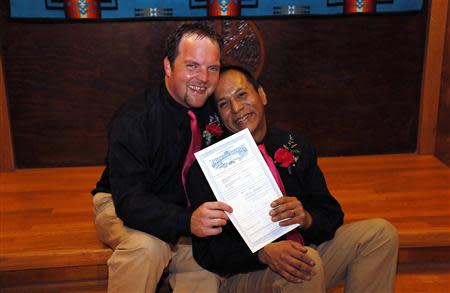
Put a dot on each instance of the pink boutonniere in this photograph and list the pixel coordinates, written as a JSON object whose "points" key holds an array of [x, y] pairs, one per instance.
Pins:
{"points": [[212, 130], [288, 155]]}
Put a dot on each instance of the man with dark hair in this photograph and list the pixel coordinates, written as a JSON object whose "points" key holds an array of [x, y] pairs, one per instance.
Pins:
{"points": [[151, 141], [318, 254]]}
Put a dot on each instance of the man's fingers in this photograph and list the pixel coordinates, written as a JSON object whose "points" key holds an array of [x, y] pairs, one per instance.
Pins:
{"points": [[296, 272], [218, 222], [286, 222], [212, 231], [208, 219], [300, 270], [284, 206], [213, 210], [215, 214], [305, 271], [298, 247], [287, 213], [279, 201], [287, 259], [306, 259], [300, 254], [302, 260], [289, 277], [211, 220], [207, 231], [218, 205]]}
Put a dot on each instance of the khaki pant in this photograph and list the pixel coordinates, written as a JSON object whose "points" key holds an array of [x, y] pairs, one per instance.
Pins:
{"points": [[363, 254], [267, 281], [139, 259]]}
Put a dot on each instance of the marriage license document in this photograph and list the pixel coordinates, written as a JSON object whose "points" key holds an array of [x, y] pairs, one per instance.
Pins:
{"points": [[239, 176]]}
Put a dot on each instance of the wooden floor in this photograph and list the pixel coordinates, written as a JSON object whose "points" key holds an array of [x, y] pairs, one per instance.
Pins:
{"points": [[413, 192], [417, 278], [46, 226]]}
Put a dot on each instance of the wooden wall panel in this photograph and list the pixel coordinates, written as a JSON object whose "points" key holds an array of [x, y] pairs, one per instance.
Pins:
{"points": [[431, 81], [6, 149], [443, 126], [350, 84], [66, 81]]}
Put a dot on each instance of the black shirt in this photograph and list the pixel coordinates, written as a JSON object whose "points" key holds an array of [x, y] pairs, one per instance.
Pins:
{"points": [[147, 143], [227, 253]]}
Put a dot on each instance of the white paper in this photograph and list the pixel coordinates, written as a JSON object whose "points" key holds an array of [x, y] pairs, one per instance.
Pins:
{"points": [[239, 176]]}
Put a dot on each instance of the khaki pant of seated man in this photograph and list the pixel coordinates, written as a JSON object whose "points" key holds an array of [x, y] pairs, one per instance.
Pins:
{"points": [[139, 259], [363, 253]]}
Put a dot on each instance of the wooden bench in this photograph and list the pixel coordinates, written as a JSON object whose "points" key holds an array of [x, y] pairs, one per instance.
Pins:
{"points": [[48, 237]]}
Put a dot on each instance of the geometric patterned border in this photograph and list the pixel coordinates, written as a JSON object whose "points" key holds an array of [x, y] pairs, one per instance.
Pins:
{"points": [[129, 9]]}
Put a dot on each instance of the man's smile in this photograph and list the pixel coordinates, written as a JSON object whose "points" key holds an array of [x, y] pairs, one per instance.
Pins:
{"points": [[243, 119], [198, 89]]}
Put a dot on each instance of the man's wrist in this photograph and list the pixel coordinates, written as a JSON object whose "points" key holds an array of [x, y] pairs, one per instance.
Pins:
{"points": [[262, 256], [308, 221]]}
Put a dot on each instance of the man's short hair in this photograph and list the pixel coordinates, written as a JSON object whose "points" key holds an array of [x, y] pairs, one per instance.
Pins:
{"points": [[197, 28], [248, 75]]}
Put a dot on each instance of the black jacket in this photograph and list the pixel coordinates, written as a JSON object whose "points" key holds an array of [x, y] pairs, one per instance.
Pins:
{"points": [[227, 253], [147, 143]]}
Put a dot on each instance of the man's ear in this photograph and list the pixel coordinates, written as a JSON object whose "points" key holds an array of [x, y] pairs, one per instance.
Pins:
{"points": [[262, 95], [167, 67]]}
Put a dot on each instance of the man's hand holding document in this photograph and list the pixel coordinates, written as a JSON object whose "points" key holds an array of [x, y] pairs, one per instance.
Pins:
{"points": [[239, 176]]}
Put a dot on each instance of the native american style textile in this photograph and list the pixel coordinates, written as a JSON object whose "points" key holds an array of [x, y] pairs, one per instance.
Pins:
{"points": [[130, 9]]}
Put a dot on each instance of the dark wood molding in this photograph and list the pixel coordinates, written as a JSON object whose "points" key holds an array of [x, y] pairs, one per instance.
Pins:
{"points": [[6, 150], [443, 125], [431, 82]]}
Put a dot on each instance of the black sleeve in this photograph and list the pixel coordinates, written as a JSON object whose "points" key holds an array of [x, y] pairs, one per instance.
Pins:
{"points": [[224, 254], [317, 200], [132, 173], [103, 183]]}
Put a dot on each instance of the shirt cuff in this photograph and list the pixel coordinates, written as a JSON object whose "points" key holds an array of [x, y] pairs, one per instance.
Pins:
{"points": [[184, 223]]}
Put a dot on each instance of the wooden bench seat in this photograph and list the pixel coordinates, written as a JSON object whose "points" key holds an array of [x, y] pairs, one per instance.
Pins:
{"points": [[411, 191], [46, 221]]}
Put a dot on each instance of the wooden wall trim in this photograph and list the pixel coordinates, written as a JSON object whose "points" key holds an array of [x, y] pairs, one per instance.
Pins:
{"points": [[7, 162], [443, 124], [431, 81]]}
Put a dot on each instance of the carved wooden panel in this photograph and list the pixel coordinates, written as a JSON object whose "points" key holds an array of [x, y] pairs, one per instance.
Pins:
{"points": [[244, 44]]}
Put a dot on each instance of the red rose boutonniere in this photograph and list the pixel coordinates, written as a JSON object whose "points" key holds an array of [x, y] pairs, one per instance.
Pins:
{"points": [[212, 130], [288, 155]]}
